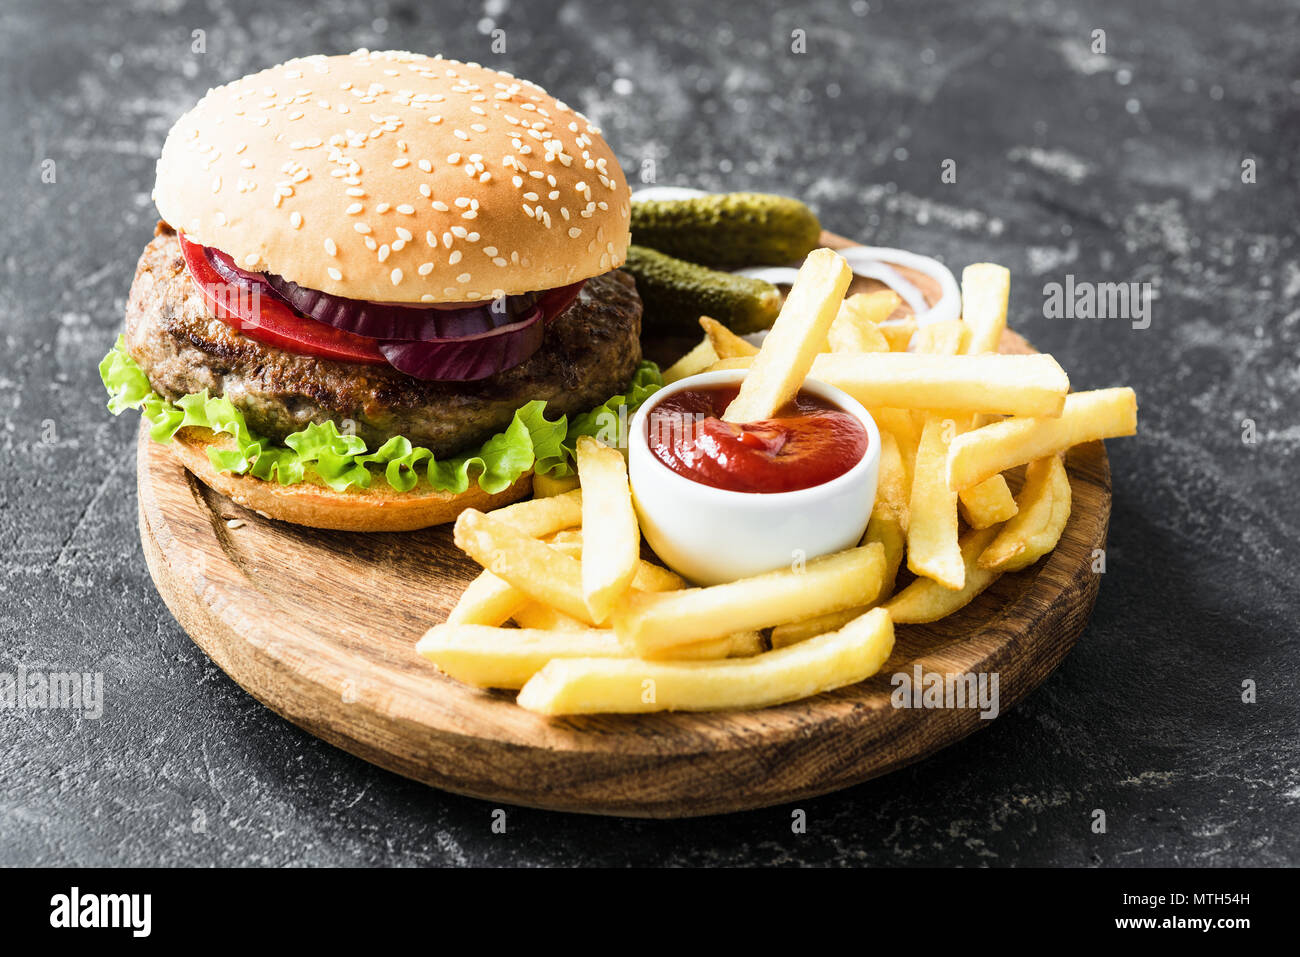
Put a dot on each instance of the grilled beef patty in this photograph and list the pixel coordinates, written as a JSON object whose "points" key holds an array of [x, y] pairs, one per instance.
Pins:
{"points": [[589, 354]]}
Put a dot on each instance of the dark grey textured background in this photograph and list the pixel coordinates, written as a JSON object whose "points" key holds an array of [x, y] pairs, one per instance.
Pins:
{"points": [[1117, 167]]}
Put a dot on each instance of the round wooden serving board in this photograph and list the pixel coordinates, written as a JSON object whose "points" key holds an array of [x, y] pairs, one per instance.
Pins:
{"points": [[321, 627]]}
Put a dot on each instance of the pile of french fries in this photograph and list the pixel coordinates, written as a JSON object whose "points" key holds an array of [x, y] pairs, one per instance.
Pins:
{"points": [[568, 612]]}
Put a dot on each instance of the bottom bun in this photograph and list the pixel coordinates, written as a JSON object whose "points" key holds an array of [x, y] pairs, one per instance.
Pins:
{"points": [[379, 508]]}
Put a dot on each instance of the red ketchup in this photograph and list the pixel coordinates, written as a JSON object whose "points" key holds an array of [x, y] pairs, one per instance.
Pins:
{"points": [[809, 442]]}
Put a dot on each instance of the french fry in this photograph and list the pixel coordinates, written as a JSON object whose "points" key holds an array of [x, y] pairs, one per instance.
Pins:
{"points": [[507, 657], [1087, 417], [597, 685], [745, 644], [739, 362], [904, 428], [793, 632], [533, 614], [649, 623], [538, 517], [941, 338], [488, 657], [652, 577], [611, 540], [710, 649], [932, 549], [898, 333], [490, 601], [876, 306], [487, 600], [726, 344], [927, 600], [892, 486], [1003, 384], [649, 576], [567, 540], [1044, 512], [545, 486], [855, 328], [799, 331], [884, 528], [985, 289], [695, 361], [988, 503], [856, 336], [540, 571]]}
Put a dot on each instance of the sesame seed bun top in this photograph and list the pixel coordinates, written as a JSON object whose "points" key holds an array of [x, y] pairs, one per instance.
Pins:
{"points": [[396, 177]]}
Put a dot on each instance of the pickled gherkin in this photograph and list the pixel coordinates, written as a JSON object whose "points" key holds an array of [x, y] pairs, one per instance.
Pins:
{"points": [[676, 293], [728, 229]]}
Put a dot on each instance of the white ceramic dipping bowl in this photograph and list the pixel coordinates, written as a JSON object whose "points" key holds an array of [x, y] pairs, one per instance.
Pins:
{"points": [[712, 535]]}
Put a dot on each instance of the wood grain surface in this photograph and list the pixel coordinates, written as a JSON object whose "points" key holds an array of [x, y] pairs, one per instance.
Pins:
{"points": [[321, 627]]}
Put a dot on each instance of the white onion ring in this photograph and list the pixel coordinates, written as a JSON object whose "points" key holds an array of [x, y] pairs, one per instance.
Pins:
{"points": [[949, 304]]}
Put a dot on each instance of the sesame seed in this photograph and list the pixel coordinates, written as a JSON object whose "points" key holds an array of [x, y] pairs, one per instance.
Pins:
{"points": [[463, 277], [454, 257], [401, 162], [574, 232], [354, 209], [361, 228], [383, 252], [425, 269], [406, 209], [403, 234], [330, 247], [382, 208], [335, 274], [251, 259], [295, 219]]}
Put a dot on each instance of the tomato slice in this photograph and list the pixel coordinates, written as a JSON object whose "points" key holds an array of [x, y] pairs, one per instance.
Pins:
{"points": [[555, 301], [255, 310], [261, 316]]}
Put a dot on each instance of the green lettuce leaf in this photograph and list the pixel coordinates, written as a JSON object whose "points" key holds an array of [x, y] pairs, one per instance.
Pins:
{"points": [[321, 453]]}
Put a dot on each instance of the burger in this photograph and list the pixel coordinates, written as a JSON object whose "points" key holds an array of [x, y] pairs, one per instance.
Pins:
{"points": [[384, 288]]}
